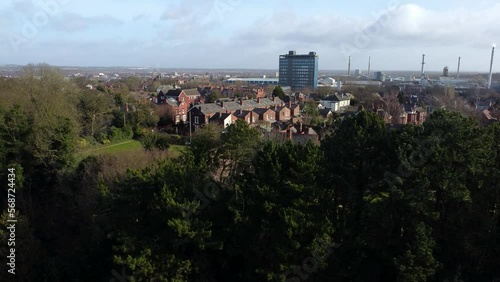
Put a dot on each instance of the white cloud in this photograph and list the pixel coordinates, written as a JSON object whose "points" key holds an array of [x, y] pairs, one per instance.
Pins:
{"points": [[235, 37], [71, 22]]}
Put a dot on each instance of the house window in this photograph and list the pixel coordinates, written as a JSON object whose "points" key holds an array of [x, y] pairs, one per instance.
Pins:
{"points": [[196, 120], [184, 117]]}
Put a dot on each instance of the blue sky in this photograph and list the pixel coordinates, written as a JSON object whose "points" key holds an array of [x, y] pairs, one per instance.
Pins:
{"points": [[249, 34]]}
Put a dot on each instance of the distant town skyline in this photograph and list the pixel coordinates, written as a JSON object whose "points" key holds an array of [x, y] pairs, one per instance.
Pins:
{"points": [[237, 34]]}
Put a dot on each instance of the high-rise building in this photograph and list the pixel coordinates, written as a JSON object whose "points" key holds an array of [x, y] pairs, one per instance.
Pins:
{"points": [[299, 71], [445, 71], [380, 76]]}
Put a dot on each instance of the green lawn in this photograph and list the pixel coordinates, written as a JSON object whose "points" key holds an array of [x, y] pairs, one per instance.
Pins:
{"points": [[126, 146], [177, 149], [130, 145]]}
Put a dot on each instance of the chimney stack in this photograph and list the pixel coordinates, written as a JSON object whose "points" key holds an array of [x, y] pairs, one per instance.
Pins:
{"points": [[369, 66], [491, 65], [458, 69], [423, 64], [349, 67]]}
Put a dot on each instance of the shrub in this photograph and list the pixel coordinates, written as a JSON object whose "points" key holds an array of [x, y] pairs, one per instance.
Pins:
{"points": [[119, 134], [155, 140]]}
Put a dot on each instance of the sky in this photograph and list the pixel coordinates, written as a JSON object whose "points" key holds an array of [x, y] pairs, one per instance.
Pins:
{"points": [[250, 34]]}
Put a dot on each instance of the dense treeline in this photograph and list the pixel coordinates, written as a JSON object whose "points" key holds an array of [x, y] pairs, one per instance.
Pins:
{"points": [[418, 203]]}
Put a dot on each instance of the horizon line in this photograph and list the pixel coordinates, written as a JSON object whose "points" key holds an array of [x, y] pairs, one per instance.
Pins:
{"points": [[229, 69]]}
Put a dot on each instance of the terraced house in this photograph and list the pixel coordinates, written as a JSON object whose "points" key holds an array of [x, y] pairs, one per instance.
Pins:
{"points": [[252, 111]]}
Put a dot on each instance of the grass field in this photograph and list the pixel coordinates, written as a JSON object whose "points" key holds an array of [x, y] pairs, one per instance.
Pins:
{"points": [[130, 146], [118, 158]]}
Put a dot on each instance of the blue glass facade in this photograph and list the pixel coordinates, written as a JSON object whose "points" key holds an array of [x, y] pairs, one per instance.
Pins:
{"points": [[299, 71]]}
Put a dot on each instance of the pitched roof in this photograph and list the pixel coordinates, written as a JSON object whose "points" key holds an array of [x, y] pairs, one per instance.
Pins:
{"points": [[192, 92], [219, 117], [173, 93], [311, 131], [241, 114], [172, 102], [209, 108], [336, 97], [491, 115], [279, 109], [231, 106], [249, 104], [164, 88], [325, 112], [261, 111], [268, 102]]}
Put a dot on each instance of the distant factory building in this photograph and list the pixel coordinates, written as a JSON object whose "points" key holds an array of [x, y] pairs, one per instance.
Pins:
{"points": [[256, 81], [327, 82], [362, 83]]}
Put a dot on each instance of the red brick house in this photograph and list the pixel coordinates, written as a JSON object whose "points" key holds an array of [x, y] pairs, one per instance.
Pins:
{"points": [[283, 114], [267, 115], [246, 116], [189, 96], [223, 119], [258, 93], [261, 93], [411, 115], [201, 114], [176, 111], [294, 109]]}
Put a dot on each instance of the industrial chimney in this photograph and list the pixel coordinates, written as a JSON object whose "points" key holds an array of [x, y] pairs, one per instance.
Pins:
{"points": [[369, 66], [458, 69], [349, 67], [491, 64], [423, 63]]}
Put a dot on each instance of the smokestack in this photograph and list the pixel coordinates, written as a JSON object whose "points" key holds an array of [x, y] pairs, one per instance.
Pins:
{"points": [[369, 65], [423, 64], [349, 67], [458, 70], [491, 64]]}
